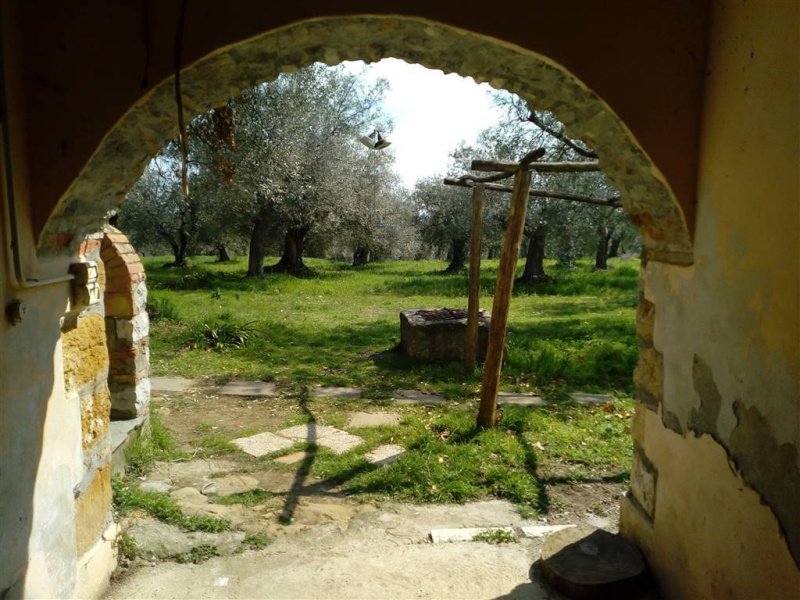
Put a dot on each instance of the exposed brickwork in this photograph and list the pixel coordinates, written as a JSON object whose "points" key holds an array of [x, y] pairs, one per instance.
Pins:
{"points": [[127, 326]]}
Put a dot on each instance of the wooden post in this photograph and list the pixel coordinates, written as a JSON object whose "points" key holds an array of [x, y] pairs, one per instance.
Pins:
{"points": [[474, 280], [502, 297]]}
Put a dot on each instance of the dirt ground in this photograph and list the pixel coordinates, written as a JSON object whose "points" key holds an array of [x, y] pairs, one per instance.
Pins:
{"points": [[336, 546]]}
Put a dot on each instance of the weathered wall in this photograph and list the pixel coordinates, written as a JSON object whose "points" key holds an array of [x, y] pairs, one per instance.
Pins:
{"points": [[716, 482], [127, 326]]}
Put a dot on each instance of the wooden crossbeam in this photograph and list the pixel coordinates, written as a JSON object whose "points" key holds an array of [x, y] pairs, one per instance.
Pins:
{"points": [[467, 182], [505, 166]]}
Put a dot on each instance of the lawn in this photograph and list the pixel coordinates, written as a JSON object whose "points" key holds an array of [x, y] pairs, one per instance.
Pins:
{"points": [[574, 333], [333, 329]]}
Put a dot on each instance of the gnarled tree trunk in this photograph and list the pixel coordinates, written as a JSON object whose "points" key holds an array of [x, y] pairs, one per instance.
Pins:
{"points": [[222, 253], [601, 256], [534, 263], [613, 249], [360, 256], [458, 257], [258, 245], [292, 259]]}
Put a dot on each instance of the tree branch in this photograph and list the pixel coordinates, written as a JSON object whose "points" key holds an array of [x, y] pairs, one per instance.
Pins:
{"points": [[533, 118]]}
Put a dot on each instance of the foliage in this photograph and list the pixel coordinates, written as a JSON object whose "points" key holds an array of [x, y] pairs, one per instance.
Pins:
{"points": [[221, 333], [496, 536], [257, 541], [161, 309], [198, 554]]}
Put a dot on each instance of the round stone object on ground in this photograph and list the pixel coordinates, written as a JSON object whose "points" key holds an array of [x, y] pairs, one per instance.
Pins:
{"points": [[587, 563]]}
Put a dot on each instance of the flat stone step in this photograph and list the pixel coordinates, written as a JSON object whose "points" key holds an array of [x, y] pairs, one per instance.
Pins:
{"points": [[587, 399], [584, 562], [336, 392], [171, 384], [365, 419], [383, 455], [262, 444], [464, 534], [417, 397], [519, 399], [249, 388], [335, 440]]}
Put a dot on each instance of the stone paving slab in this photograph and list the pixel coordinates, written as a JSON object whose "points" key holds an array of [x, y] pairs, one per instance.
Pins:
{"points": [[171, 384], [262, 444], [383, 455], [365, 419], [337, 392], [464, 534], [192, 472], [535, 531], [520, 399], [249, 388], [417, 397], [333, 439], [586, 399], [230, 485]]}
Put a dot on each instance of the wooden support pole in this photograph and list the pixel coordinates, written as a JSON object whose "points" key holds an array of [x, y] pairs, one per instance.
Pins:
{"points": [[474, 280], [613, 202], [504, 166], [502, 297]]}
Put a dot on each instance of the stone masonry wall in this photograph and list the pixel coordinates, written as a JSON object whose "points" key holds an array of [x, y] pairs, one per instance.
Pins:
{"points": [[127, 326]]}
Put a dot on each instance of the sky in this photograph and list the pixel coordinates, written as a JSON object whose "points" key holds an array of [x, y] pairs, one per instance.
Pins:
{"points": [[432, 112]]}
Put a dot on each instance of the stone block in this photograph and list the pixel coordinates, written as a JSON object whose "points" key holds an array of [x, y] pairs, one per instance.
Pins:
{"points": [[337, 392], [383, 455], [363, 419], [648, 377], [440, 335], [92, 508], [262, 444], [249, 388], [230, 485], [644, 478]]}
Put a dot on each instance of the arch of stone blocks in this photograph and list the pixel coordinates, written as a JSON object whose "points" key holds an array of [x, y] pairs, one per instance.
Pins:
{"points": [[127, 326], [210, 82]]}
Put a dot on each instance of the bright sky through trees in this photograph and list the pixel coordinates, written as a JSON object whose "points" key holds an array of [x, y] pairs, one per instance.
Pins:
{"points": [[432, 112]]}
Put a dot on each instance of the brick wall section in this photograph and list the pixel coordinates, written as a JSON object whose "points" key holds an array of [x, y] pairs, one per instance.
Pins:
{"points": [[127, 326]]}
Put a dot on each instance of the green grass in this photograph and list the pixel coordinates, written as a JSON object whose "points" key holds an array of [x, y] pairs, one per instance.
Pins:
{"points": [[161, 506], [496, 536], [155, 443], [576, 332]]}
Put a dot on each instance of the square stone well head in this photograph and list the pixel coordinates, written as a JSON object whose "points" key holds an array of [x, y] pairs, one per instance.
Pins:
{"points": [[440, 334]]}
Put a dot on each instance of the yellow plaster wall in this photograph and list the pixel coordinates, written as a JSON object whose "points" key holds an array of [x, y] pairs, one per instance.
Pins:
{"points": [[724, 440]]}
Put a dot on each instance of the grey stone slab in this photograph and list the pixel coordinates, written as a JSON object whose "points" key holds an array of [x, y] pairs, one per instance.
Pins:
{"points": [[383, 455], [519, 399], [333, 439], [464, 534], [249, 388], [155, 539], [192, 472], [155, 486], [337, 392], [586, 399], [121, 429], [230, 485], [365, 419], [171, 384], [417, 397], [262, 444]]}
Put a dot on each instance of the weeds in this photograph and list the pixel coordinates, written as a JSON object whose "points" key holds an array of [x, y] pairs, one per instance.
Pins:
{"points": [[496, 536], [251, 498], [198, 554], [154, 443], [162, 309], [257, 541]]}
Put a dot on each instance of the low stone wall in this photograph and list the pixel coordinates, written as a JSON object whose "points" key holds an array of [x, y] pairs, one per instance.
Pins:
{"points": [[440, 335]]}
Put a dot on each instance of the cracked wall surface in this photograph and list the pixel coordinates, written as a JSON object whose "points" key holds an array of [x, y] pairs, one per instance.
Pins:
{"points": [[722, 426]]}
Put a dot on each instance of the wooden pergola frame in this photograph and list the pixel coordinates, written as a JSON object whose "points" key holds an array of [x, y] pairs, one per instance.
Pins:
{"points": [[520, 192]]}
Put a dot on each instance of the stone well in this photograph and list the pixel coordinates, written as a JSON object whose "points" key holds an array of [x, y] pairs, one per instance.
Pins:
{"points": [[440, 334]]}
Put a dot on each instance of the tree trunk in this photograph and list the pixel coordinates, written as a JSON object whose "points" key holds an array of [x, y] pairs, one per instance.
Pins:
{"points": [[222, 253], [458, 257], [360, 256], [258, 245], [292, 259], [534, 263], [613, 249], [601, 256]]}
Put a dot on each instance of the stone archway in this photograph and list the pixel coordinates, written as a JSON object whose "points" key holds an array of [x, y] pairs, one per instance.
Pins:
{"points": [[150, 123]]}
